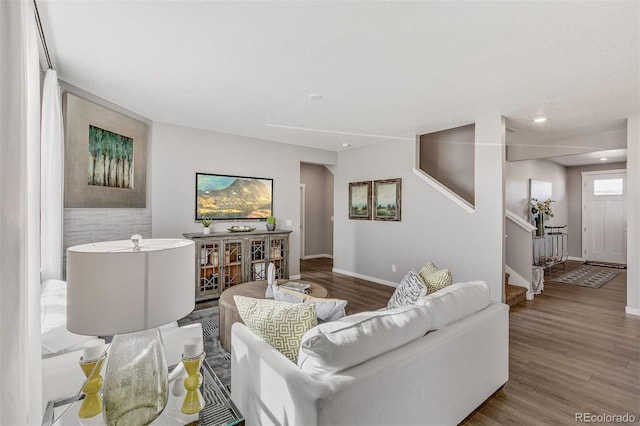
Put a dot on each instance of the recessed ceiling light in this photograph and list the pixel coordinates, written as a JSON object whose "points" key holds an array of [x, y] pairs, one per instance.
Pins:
{"points": [[540, 119], [604, 159], [346, 145], [315, 96]]}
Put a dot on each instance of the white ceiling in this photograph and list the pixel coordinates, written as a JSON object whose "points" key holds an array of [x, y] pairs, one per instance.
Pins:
{"points": [[607, 156], [385, 70]]}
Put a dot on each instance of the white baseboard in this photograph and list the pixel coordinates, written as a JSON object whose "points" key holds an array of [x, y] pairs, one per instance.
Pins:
{"points": [[316, 256], [632, 311], [577, 259], [295, 277], [365, 277]]}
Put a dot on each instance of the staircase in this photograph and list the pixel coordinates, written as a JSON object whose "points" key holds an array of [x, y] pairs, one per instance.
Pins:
{"points": [[514, 294]]}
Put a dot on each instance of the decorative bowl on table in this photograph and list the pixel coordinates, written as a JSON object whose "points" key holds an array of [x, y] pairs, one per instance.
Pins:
{"points": [[240, 229]]}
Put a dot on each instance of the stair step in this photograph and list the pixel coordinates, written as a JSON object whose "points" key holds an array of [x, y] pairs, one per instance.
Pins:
{"points": [[515, 294]]}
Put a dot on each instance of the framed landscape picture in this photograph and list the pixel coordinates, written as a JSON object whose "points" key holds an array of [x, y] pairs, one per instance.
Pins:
{"points": [[360, 200], [387, 198]]}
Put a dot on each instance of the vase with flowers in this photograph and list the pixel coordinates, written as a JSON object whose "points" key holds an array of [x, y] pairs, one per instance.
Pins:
{"points": [[541, 209]]}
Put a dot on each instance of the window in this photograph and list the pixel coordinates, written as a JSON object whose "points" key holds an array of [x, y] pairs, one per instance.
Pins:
{"points": [[608, 187]]}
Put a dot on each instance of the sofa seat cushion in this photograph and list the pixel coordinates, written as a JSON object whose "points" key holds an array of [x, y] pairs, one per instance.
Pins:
{"points": [[409, 290], [326, 309], [456, 301], [435, 279], [53, 320], [334, 346], [281, 324]]}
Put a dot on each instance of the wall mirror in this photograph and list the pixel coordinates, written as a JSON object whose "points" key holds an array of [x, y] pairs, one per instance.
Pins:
{"points": [[540, 189]]}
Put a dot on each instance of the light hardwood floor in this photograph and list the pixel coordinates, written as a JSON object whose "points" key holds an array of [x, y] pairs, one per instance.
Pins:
{"points": [[572, 349]]}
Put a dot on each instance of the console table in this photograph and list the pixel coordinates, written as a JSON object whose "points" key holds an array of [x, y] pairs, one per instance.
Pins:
{"points": [[224, 259], [551, 249]]}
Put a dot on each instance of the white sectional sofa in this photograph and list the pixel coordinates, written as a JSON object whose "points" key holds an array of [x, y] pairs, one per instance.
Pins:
{"points": [[437, 377]]}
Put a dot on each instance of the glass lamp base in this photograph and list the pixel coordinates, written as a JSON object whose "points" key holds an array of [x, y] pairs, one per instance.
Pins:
{"points": [[136, 379]]}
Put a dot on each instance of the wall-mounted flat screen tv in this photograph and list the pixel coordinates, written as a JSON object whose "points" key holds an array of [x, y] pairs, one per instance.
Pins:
{"points": [[226, 197]]}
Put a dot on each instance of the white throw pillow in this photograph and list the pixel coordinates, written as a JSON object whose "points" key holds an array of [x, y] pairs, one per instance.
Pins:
{"points": [[354, 339], [326, 309], [456, 301], [53, 320], [409, 290]]}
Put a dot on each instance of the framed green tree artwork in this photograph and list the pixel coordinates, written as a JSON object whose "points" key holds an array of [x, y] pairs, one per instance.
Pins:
{"points": [[105, 157]]}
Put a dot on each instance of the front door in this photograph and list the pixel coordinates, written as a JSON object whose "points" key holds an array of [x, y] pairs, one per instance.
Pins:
{"points": [[604, 218]]}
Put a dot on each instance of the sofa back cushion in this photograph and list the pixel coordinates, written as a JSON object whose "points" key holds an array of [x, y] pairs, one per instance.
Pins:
{"points": [[281, 324], [349, 341], [456, 301]]}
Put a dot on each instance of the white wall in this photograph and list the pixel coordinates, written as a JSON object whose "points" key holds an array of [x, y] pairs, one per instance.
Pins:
{"points": [[177, 153], [432, 227], [633, 215], [517, 187]]}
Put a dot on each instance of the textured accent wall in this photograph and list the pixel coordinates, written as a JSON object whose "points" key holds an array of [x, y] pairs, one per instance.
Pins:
{"points": [[83, 226]]}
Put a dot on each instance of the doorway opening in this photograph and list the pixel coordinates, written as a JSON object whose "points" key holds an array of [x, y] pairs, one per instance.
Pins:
{"points": [[316, 211]]}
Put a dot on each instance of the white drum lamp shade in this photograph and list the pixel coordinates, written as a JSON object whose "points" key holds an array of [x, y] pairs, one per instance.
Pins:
{"points": [[129, 289], [114, 289]]}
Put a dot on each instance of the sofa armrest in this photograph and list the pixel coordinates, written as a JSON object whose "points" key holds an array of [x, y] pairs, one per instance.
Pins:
{"points": [[267, 387]]}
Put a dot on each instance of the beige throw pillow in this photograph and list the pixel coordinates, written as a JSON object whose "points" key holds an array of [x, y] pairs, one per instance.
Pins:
{"points": [[435, 279], [281, 324]]}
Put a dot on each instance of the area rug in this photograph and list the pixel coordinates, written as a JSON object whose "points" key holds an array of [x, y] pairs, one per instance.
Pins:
{"points": [[586, 276], [217, 357], [606, 264]]}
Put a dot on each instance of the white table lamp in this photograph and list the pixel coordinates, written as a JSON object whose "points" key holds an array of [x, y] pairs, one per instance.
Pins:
{"points": [[129, 289]]}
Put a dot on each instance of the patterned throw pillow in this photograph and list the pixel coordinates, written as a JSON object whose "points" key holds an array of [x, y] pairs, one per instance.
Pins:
{"points": [[281, 324], [408, 291], [435, 279]]}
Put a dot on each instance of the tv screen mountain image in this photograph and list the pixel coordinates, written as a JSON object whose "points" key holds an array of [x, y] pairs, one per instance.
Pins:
{"points": [[233, 197]]}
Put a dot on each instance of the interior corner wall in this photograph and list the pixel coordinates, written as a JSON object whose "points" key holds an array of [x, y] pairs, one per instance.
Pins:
{"points": [[179, 152], [574, 191], [432, 227], [318, 209], [633, 218], [448, 156]]}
